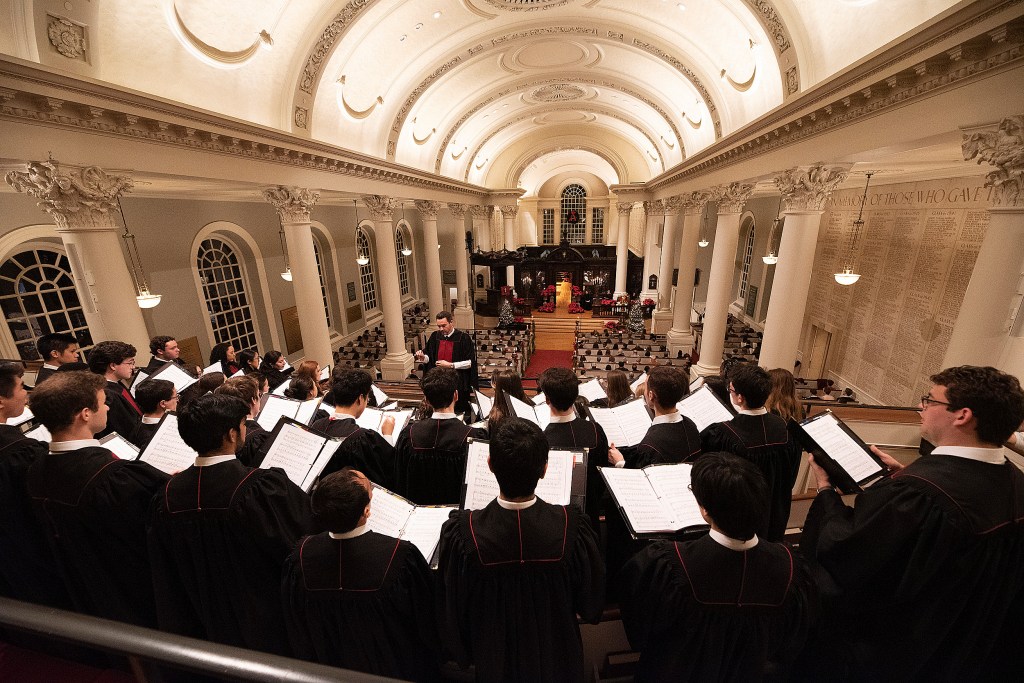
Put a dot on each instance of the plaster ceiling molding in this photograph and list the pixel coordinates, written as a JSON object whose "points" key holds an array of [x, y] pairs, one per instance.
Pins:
{"points": [[208, 53], [556, 92], [357, 114], [547, 162], [520, 5], [548, 54], [66, 37], [781, 43]]}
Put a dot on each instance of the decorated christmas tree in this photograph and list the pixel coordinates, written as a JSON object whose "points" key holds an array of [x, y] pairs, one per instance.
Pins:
{"points": [[635, 325], [505, 318]]}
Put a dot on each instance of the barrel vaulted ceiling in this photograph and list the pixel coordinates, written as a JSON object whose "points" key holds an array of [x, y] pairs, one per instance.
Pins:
{"points": [[498, 93]]}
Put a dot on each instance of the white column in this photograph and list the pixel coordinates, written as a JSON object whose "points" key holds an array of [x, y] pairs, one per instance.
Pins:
{"points": [[716, 312], [529, 222], [508, 217], [482, 236], [294, 205], [398, 362], [982, 334], [805, 190], [622, 247], [464, 319], [654, 220], [680, 336], [81, 201], [431, 254], [662, 318]]}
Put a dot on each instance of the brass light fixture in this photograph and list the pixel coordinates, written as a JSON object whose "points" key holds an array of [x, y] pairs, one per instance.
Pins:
{"points": [[143, 296], [286, 274], [772, 257], [406, 250], [848, 274], [362, 258]]}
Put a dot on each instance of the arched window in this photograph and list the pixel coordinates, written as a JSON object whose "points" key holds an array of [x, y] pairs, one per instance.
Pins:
{"points": [[574, 213], [323, 279], [748, 251], [403, 264], [366, 280], [224, 289], [38, 296]]}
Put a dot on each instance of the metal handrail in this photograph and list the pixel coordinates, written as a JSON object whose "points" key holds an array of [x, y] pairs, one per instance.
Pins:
{"points": [[179, 652]]}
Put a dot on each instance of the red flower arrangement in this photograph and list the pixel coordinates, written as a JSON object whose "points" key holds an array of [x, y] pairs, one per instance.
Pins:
{"points": [[518, 319], [520, 301], [547, 307], [607, 302], [576, 291], [550, 289], [648, 302], [611, 324], [575, 308]]}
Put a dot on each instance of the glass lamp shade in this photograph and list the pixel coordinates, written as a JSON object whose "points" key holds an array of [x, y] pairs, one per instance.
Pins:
{"points": [[771, 259], [287, 275], [407, 252], [147, 300], [362, 260], [847, 277], [703, 243]]}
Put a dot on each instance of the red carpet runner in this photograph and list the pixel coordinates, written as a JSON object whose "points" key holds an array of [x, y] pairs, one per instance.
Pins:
{"points": [[544, 359]]}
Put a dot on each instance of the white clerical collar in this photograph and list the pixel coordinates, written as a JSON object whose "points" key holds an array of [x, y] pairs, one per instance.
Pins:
{"points": [[150, 420], [562, 419], [162, 360], [443, 416], [731, 543], [755, 411], [204, 461], [342, 416], [670, 418], [66, 446], [50, 367], [992, 456], [510, 505], [358, 531]]}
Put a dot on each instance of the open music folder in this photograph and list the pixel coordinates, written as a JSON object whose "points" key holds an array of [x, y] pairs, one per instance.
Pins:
{"points": [[394, 516], [120, 446], [626, 424], [300, 451], [166, 451], [592, 390], [175, 374], [373, 418], [849, 462], [655, 501], [564, 482], [280, 406], [539, 415], [704, 408]]}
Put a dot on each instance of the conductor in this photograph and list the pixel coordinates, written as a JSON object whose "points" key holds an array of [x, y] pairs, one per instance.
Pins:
{"points": [[451, 348]]}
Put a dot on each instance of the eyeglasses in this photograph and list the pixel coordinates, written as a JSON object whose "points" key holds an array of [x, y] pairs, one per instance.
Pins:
{"points": [[926, 400]]}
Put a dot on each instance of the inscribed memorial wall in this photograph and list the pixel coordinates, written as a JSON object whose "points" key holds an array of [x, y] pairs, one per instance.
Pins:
{"points": [[891, 329]]}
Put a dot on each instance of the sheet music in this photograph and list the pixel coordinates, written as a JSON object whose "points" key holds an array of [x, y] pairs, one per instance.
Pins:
{"points": [[696, 384], [481, 486], [239, 373], [539, 398], [704, 408], [370, 419], [543, 413], [555, 486], [40, 433], [379, 395], [610, 423], [215, 367], [524, 410], [636, 384], [276, 408], [388, 512], [672, 484], [140, 377], [423, 529], [174, 374], [326, 453], [635, 495], [401, 418], [281, 388], [120, 446], [306, 410], [634, 420], [841, 447], [486, 403], [25, 416], [294, 451], [166, 451], [325, 373], [592, 390]]}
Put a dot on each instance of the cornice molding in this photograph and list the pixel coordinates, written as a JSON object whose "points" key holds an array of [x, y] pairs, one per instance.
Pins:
{"points": [[76, 196]]}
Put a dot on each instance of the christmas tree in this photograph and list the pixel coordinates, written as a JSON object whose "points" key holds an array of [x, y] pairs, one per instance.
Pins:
{"points": [[636, 319], [505, 318]]}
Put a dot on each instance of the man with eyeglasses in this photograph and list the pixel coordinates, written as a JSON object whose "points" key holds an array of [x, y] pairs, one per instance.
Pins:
{"points": [[455, 349], [925, 574], [115, 361]]}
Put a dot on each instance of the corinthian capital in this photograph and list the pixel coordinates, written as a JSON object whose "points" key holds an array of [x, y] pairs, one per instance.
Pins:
{"points": [[624, 208], [807, 188], [458, 210], [1004, 149], [428, 209], [382, 208], [509, 210], [293, 204], [693, 203], [75, 196], [673, 205], [481, 212], [733, 196]]}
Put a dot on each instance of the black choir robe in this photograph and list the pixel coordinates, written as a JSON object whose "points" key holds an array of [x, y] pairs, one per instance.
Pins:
{"points": [[924, 574], [144, 434], [43, 373], [218, 538], [666, 442], [513, 582], [275, 377], [464, 349], [765, 441], [362, 449], [579, 434], [252, 452], [155, 364], [28, 571], [430, 460], [124, 416], [92, 508], [364, 603], [698, 611]]}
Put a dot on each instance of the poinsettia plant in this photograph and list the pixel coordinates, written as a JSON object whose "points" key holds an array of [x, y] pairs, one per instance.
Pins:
{"points": [[648, 302], [547, 307], [550, 289], [575, 308], [519, 301], [607, 302], [576, 291]]}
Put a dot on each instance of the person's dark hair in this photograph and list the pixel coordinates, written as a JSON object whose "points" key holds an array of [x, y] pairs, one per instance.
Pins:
{"points": [[506, 382], [518, 453], [205, 422], [157, 344], [447, 315], [308, 368], [733, 492], [561, 387], [220, 353], [348, 385], [63, 395], [9, 372], [244, 388], [243, 359], [668, 384], [55, 341], [439, 386], [720, 388], [150, 392], [752, 382], [783, 400], [617, 388], [994, 397], [338, 500], [728, 364], [108, 353], [299, 387], [270, 358], [207, 383]]}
